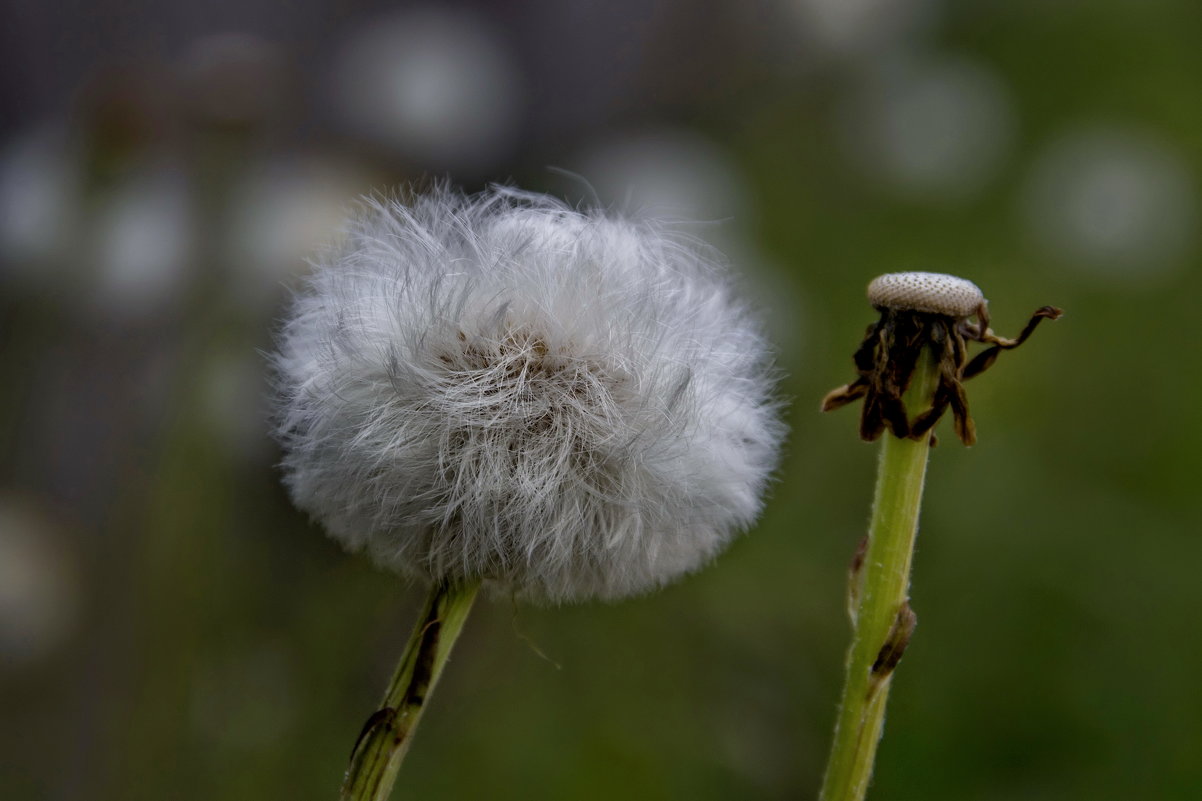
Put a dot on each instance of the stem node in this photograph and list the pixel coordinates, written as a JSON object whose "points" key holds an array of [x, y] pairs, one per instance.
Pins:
{"points": [[895, 646]]}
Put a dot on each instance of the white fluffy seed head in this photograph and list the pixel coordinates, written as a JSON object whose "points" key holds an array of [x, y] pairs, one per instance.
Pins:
{"points": [[934, 293], [567, 405]]}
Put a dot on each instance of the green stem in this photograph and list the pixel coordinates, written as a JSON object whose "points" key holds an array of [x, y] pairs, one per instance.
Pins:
{"points": [[881, 615], [386, 736]]}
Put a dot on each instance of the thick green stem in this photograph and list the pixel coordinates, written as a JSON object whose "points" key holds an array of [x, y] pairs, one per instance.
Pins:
{"points": [[386, 735], [881, 615]]}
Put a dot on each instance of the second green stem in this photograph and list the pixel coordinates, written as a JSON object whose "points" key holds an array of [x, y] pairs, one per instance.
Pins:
{"points": [[387, 734], [881, 614]]}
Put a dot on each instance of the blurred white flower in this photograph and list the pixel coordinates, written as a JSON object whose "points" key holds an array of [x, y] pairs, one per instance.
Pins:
{"points": [[436, 85], [672, 173], [860, 28], [566, 404], [144, 241], [281, 213], [38, 590], [38, 201], [1114, 201], [935, 128]]}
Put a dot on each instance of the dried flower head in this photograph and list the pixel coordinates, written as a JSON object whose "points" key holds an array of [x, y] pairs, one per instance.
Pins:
{"points": [[918, 311], [926, 292], [565, 404]]}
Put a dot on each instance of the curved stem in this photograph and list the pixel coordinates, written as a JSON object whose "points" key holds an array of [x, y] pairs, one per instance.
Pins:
{"points": [[881, 615], [386, 735]]}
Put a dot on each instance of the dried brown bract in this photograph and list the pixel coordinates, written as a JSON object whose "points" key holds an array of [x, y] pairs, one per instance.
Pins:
{"points": [[923, 310]]}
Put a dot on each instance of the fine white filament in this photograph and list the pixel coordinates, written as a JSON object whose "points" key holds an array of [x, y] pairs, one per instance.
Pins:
{"points": [[565, 404]]}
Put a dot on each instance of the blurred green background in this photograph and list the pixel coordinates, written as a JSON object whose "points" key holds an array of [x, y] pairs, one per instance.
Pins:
{"points": [[170, 628]]}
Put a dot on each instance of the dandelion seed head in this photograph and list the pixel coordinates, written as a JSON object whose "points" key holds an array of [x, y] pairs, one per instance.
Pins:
{"points": [[565, 404]]}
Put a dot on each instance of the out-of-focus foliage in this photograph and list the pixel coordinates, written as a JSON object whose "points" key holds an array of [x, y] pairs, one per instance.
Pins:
{"points": [[171, 628]]}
